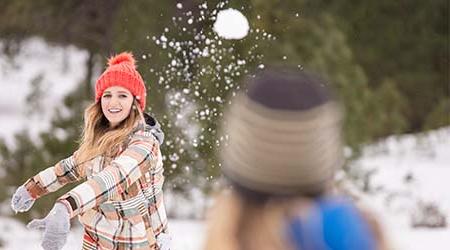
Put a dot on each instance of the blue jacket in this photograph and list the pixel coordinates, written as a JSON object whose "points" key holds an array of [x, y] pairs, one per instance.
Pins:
{"points": [[334, 224]]}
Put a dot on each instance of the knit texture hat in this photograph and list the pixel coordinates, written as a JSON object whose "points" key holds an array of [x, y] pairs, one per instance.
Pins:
{"points": [[121, 71], [283, 135]]}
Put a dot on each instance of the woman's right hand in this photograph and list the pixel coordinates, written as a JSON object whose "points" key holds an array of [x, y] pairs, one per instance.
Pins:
{"points": [[21, 200]]}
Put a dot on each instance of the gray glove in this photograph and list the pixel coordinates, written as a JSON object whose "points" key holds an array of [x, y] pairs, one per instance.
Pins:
{"points": [[164, 241], [56, 227], [21, 200]]}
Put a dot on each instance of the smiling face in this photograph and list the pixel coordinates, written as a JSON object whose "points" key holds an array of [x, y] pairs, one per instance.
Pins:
{"points": [[116, 104]]}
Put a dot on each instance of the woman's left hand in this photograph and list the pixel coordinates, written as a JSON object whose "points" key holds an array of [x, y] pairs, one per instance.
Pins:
{"points": [[56, 227]]}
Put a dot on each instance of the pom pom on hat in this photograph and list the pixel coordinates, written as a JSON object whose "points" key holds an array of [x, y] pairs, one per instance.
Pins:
{"points": [[122, 57], [121, 71]]}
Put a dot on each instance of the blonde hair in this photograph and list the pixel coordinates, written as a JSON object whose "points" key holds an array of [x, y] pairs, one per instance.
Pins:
{"points": [[98, 138], [247, 225]]}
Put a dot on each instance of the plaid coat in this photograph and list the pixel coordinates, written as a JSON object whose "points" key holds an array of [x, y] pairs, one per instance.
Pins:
{"points": [[121, 203]]}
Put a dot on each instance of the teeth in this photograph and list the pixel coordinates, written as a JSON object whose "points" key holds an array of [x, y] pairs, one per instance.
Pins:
{"points": [[114, 110]]}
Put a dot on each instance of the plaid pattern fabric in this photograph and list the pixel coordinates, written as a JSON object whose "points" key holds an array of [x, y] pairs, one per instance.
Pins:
{"points": [[53, 178], [121, 202]]}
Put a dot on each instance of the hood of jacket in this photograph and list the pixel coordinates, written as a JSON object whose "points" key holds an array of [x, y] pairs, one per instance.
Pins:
{"points": [[155, 128]]}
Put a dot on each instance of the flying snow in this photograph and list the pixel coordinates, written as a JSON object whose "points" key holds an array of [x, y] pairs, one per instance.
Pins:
{"points": [[231, 24]]}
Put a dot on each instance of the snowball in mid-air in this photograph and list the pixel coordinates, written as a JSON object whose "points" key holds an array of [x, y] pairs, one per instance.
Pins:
{"points": [[231, 24]]}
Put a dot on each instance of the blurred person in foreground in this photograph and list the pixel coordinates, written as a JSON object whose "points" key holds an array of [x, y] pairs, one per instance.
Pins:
{"points": [[284, 148], [120, 203]]}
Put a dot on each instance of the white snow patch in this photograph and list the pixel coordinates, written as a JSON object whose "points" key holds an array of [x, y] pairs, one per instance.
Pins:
{"points": [[58, 69], [407, 170]]}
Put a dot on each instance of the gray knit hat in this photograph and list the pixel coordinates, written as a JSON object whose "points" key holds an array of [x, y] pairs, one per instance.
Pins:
{"points": [[284, 134]]}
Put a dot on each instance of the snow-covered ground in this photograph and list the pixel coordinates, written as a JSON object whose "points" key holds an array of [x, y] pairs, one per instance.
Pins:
{"points": [[407, 171], [186, 235]]}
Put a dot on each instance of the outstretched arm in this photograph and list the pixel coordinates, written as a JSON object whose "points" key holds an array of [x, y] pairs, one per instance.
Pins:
{"points": [[53, 178], [126, 169], [48, 180]]}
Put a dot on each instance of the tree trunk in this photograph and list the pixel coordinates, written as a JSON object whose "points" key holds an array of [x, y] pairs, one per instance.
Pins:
{"points": [[89, 72]]}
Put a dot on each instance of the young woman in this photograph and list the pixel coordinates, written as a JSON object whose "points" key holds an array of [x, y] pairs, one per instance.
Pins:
{"points": [[121, 203], [283, 150]]}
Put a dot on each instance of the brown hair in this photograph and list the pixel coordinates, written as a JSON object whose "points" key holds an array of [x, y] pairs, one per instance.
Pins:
{"points": [[98, 138]]}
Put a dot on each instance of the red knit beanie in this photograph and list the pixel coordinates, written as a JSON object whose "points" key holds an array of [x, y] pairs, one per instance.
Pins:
{"points": [[122, 72]]}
